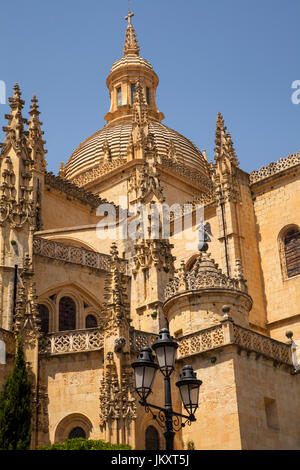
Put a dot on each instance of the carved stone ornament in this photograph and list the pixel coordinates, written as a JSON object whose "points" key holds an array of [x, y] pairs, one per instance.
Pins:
{"points": [[117, 399], [153, 252], [204, 274], [27, 321], [116, 307]]}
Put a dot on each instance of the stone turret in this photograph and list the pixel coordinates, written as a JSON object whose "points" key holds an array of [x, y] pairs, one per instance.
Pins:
{"points": [[195, 297]]}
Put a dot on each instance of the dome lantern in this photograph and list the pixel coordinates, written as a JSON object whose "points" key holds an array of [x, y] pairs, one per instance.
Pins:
{"points": [[123, 76]]}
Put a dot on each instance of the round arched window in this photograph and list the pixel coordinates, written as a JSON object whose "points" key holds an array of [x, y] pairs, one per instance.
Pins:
{"points": [[67, 314], [44, 317], [292, 252], [91, 321], [152, 439], [77, 432]]}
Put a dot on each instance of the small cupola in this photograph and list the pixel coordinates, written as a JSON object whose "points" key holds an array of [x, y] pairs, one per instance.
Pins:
{"points": [[124, 75]]}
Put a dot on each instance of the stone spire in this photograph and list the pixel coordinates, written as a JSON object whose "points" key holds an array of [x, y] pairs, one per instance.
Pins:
{"points": [[15, 133], [225, 177], [224, 146], [131, 46], [35, 139]]}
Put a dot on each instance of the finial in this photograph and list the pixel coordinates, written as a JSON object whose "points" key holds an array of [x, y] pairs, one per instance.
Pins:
{"points": [[131, 46], [34, 108]]}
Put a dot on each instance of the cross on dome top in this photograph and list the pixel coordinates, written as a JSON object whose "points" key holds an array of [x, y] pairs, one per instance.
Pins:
{"points": [[131, 46], [128, 17]]}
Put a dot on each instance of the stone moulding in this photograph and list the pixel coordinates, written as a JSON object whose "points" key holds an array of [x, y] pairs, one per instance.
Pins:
{"points": [[275, 167], [72, 254], [221, 335], [188, 173], [71, 341], [74, 191], [92, 174]]}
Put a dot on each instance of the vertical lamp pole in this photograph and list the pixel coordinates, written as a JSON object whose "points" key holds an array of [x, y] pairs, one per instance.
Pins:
{"points": [[145, 369]]}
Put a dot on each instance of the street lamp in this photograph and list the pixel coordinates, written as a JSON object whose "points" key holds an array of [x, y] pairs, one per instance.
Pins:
{"points": [[145, 369]]}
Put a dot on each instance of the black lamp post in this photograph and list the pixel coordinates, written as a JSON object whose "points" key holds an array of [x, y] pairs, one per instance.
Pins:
{"points": [[145, 369]]}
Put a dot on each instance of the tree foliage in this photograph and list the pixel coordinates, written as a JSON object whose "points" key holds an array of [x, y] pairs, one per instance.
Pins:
{"points": [[15, 406], [85, 444]]}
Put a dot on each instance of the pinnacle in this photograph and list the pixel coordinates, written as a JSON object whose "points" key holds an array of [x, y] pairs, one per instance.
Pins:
{"points": [[224, 144], [17, 91]]}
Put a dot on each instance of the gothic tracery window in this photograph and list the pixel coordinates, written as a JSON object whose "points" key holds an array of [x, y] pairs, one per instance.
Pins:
{"points": [[292, 252], [44, 317], [67, 314]]}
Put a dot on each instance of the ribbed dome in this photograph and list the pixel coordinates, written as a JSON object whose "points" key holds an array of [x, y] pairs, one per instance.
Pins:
{"points": [[90, 152], [113, 140], [131, 61]]}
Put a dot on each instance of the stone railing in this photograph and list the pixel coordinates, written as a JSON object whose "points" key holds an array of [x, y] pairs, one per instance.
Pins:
{"points": [[71, 341], [72, 254], [9, 340], [201, 341], [268, 347], [141, 339], [218, 336], [229, 333], [275, 167], [207, 281]]}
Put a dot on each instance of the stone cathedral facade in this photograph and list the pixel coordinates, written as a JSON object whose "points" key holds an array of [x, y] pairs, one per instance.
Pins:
{"points": [[85, 306]]}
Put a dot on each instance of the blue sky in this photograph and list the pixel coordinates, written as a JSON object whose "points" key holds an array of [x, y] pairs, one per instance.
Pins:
{"points": [[238, 57]]}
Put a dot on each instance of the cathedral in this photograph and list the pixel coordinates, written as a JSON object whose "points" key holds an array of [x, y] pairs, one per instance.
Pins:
{"points": [[86, 300]]}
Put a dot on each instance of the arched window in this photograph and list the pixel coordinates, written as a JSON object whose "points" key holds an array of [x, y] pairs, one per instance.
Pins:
{"points": [[152, 439], [67, 314], [292, 252], [77, 432], [91, 321], [44, 317]]}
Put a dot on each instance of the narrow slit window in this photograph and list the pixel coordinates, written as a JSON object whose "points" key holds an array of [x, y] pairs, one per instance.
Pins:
{"points": [[148, 95], [119, 95], [132, 93]]}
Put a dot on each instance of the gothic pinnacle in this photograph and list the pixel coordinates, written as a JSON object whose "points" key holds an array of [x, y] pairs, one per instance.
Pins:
{"points": [[15, 133], [224, 144], [35, 133]]}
